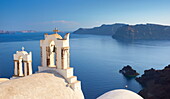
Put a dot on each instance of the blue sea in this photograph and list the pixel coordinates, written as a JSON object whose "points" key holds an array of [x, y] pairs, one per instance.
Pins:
{"points": [[96, 59]]}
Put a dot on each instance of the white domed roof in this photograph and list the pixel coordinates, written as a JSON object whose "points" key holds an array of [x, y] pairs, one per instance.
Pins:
{"points": [[120, 94], [39, 86]]}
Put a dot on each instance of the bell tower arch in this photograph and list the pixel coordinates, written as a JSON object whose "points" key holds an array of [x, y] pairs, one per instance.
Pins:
{"points": [[22, 63]]}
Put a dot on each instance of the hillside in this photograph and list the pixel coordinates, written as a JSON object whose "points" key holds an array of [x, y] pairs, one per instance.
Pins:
{"points": [[130, 32], [102, 30], [143, 32]]}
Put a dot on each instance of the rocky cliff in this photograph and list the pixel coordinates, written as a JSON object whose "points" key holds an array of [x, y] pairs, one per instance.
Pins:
{"points": [[102, 30], [130, 32], [156, 83], [143, 32]]}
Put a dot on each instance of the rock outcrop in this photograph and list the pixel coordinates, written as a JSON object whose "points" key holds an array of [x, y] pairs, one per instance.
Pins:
{"points": [[39, 86], [143, 32], [128, 71], [102, 30], [156, 83]]}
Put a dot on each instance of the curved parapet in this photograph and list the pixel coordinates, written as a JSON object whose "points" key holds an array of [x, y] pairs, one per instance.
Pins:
{"points": [[24, 55], [66, 37], [3, 79]]}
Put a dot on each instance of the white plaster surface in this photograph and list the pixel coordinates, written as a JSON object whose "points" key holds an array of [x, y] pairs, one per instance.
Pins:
{"points": [[62, 54], [3, 79], [39, 86], [57, 41], [21, 56], [120, 94]]}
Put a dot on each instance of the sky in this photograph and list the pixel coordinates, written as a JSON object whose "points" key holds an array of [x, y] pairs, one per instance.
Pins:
{"points": [[69, 15]]}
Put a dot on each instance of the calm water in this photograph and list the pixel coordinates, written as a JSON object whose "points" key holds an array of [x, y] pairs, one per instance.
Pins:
{"points": [[96, 59]]}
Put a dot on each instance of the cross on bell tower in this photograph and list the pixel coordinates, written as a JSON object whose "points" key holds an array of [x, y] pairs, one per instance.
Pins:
{"points": [[56, 30]]}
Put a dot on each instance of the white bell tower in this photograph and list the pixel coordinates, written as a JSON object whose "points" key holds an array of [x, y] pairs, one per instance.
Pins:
{"points": [[55, 55], [22, 61]]}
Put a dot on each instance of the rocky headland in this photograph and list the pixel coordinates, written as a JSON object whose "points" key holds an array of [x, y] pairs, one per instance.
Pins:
{"points": [[156, 83], [143, 32], [102, 30], [125, 32], [128, 71]]}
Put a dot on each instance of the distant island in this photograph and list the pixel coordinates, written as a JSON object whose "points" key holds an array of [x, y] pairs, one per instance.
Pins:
{"points": [[102, 30], [130, 32], [22, 31], [143, 32]]}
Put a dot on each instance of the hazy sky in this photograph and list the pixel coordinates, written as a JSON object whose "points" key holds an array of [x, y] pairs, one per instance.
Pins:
{"points": [[69, 15]]}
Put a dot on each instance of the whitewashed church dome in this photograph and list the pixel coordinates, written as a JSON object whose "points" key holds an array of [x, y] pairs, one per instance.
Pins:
{"points": [[120, 94], [38, 86]]}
